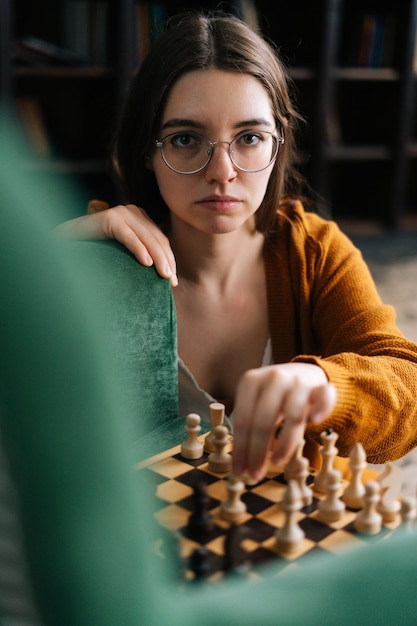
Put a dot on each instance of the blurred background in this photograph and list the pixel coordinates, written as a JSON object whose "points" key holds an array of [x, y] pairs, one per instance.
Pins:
{"points": [[65, 66]]}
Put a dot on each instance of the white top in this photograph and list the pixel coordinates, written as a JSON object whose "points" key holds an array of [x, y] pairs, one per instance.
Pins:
{"points": [[194, 399]]}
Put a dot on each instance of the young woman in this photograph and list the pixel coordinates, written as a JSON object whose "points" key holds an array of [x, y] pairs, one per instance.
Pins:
{"points": [[278, 315]]}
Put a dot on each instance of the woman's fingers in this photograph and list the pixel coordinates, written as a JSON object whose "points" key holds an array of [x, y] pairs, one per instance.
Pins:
{"points": [[313, 406], [267, 397], [132, 227]]}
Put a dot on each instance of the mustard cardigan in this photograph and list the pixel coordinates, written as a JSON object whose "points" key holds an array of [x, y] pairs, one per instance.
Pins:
{"points": [[324, 308]]}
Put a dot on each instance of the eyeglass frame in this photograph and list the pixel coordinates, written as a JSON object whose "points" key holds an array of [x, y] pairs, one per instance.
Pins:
{"points": [[159, 144]]}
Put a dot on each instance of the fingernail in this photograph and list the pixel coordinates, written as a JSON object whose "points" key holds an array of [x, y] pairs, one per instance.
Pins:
{"points": [[174, 280]]}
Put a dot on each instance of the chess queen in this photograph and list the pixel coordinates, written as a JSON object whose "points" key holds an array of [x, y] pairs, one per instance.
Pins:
{"points": [[277, 313]]}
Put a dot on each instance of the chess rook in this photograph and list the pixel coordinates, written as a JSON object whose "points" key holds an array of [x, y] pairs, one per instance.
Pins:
{"points": [[216, 419]]}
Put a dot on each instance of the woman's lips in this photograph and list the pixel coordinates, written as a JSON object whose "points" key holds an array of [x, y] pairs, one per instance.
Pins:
{"points": [[219, 203]]}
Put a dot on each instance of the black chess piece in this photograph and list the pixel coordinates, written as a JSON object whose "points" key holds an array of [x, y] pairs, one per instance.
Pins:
{"points": [[199, 563], [235, 556], [201, 521]]}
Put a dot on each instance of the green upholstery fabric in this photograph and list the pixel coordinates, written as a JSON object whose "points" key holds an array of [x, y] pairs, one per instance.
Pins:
{"points": [[63, 426], [140, 329], [86, 522]]}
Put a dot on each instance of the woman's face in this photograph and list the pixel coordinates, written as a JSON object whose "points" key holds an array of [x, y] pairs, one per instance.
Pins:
{"points": [[218, 105]]}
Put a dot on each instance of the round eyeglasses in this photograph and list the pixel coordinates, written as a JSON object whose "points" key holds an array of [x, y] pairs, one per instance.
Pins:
{"points": [[187, 152]]}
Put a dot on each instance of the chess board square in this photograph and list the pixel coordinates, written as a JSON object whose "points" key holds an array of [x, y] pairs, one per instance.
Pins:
{"points": [[271, 490], [189, 503], [255, 503], [172, 517], [315, 529], [203, 538], [275, 516], [171, 467], [341, 541], [258, 530], [195, 477], [173, 491], [261, 555]]}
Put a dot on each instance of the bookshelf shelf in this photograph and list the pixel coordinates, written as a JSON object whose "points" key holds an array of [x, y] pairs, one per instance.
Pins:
{"points": [[358, 153], [64, 73], [365, 74]]}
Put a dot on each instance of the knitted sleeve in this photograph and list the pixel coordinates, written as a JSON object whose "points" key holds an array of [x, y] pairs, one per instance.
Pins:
{"points": [[352, 336]]}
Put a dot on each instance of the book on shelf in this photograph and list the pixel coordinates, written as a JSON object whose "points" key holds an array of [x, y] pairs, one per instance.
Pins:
{"points": [[372, 41], [36, 52], [84, 27]]}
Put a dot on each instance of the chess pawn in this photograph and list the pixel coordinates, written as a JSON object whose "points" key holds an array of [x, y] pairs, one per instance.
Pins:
{"points": [[220, 461], [192, 448], [390, 485], [290, 535], [331, 508], [232, 509], [328, 454], [409, 511], [353, 494], [368, 520], [390, 510], [216, 419]]}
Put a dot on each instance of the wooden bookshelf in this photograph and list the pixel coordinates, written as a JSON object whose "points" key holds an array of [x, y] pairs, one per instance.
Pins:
{"points": [[353, 63]]}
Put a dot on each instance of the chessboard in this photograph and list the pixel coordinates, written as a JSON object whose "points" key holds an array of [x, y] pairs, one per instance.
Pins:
{"points": [[285, 519]]}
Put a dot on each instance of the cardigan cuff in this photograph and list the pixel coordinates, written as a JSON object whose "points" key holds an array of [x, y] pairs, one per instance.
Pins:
{"points": [[346, 397]]}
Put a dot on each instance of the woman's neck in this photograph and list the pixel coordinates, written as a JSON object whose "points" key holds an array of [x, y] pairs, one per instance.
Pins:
{"points": [[215, 261]]}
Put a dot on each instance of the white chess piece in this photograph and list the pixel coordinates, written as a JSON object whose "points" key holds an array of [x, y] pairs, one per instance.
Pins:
{"points": [[290, 535], [192, 448], [216, 419], [391, 482], [232, 509], [331, 508], [354, 492], [328, 453], [368, 520], [220, 461]]}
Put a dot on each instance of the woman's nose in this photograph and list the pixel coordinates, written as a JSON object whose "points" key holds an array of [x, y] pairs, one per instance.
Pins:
{"points": [[220, 167]]}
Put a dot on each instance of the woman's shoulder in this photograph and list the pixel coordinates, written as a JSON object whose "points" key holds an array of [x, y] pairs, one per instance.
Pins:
{"points": [[302, 231]]}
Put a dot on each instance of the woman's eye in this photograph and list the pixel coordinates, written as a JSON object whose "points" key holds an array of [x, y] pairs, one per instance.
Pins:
{"points": [[183, 140], [251, 139]]}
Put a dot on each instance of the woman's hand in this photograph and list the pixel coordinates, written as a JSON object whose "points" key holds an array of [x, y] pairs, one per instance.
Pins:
{"points": [[287, 395], [133, 228]]}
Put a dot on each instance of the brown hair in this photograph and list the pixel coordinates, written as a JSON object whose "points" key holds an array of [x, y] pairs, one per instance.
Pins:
{"points": [[198, 41]]}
